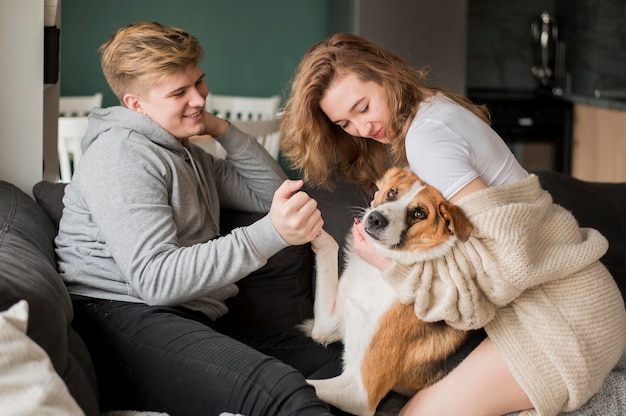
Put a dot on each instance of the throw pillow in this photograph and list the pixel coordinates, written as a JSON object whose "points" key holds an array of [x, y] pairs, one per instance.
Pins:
{"points": [[28, 382]]}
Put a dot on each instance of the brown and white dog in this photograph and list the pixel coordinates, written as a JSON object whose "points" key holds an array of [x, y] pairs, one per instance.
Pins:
{"points": [[386, 347]]}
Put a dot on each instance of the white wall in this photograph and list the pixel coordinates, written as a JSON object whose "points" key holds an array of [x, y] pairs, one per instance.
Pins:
{"points": [[424, 32], [22, 92]]}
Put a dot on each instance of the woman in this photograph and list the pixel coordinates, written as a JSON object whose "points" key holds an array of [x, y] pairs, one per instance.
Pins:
{"points": [[347, 89], [140, 250]]}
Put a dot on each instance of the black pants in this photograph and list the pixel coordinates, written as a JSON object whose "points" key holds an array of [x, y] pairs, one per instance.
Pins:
{"points": [[176, 361]]}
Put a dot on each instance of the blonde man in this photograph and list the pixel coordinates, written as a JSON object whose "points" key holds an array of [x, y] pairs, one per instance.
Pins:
{"points": [[138, 243]]}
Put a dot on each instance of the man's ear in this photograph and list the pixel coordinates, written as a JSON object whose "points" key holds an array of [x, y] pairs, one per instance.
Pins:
{"points": [[131, 101]]}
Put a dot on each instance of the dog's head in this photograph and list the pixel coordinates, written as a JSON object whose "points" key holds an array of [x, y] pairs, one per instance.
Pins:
{"points": [[412, 221]]}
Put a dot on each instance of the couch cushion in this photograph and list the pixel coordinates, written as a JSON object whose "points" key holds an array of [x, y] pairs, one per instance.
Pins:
{"points": [[596, 205], [50, 197], [279, 295], [29, 272], [339, 206]]}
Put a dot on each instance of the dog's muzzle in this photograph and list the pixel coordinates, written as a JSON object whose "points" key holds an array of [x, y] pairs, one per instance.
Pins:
{"points": [[385, 224], [375, 225], [376, 221]]}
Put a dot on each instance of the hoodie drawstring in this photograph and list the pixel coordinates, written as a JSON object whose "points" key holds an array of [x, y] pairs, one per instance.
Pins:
{"points": [[202, 184]]}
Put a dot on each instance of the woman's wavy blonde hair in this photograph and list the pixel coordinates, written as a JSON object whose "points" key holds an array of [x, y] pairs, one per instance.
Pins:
{"points": [[315, 146]]}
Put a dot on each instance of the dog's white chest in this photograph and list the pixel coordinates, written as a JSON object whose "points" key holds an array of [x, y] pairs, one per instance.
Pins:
{"points": [[364, 297]]}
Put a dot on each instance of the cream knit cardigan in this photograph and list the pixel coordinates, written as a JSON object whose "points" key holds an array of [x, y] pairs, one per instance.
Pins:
{"points": [[532, 278]]}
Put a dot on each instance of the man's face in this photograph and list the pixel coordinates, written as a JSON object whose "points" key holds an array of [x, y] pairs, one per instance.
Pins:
{"points": [[176, 103]]}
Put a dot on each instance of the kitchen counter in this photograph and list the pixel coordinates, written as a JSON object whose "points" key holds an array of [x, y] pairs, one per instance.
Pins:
{"points": [[504, 94], [610, 103]]}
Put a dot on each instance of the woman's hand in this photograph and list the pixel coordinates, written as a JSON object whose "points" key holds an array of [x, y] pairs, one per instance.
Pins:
{"points": [[295, 214], [213, 125], [364, 248]]}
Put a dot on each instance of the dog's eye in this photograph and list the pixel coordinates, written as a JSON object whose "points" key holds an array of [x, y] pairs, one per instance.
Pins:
{"points": [[391, 194], [419, 214]]}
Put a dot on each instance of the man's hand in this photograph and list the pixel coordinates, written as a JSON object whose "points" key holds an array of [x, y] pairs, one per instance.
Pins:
{"points": [[365, 249], [295, 214], [213, 125]]}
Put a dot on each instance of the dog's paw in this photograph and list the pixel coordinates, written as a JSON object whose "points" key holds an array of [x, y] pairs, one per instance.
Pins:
{"points": [[316, 333], [306, 327], [323, 338], [324, 241], [343, 392]]}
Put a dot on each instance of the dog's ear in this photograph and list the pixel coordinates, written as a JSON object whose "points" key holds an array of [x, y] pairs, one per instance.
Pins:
{"points": [[458, 224]]}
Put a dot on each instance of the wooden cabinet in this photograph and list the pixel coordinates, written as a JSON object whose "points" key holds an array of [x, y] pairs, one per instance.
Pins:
{"points": [[599, 144]]}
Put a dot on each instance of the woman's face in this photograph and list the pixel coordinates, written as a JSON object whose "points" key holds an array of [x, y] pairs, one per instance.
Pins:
{"points": [[176, 103], [359, 108]]}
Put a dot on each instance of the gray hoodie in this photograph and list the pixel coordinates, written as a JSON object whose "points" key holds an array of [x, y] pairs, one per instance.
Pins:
{"points": [[141, 216]]}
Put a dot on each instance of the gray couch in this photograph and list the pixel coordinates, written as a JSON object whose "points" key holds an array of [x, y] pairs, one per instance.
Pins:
{"points": [[28, 271]]}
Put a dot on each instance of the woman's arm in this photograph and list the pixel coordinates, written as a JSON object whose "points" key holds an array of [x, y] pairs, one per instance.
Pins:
{"points": [[475, 185]]}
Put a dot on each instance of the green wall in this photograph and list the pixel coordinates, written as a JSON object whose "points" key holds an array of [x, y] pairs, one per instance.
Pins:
{"points": [[252, 47]]}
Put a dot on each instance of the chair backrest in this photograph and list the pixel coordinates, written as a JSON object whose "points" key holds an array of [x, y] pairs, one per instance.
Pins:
{"points": [[257, 116], [72, 126], [267, 132], [71, 132], [233, 107], [77, 106]]}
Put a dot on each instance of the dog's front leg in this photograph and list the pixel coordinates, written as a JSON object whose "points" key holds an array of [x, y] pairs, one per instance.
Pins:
{"points": [[325, 327], [345, 392]]}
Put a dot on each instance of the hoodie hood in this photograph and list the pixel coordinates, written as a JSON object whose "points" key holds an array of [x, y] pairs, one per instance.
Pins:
{"points": [[102, 120], [105, 121]]}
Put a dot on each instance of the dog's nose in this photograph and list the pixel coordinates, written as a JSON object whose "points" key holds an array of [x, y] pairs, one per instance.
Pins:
{"points": [[376, 220]]}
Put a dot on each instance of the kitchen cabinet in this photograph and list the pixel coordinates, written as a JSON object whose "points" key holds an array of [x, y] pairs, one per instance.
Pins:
{"points": [[424, 33], [599, 144], [536, 126]]}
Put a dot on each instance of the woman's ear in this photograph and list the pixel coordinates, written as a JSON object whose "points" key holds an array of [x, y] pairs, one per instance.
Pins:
{"points": [[131, 101]]}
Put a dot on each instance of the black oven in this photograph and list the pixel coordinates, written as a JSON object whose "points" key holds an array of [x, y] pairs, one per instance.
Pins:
{"points": [[536, 126]]}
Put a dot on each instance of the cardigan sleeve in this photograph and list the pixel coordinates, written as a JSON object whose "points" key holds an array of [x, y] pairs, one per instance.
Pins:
{"points": [[462, 288]]}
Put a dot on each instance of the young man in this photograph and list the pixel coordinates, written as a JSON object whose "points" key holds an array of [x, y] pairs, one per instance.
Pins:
{"points": [[139, 245]]}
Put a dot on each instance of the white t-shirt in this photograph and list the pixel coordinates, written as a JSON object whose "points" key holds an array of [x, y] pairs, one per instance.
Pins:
{"points": [[448, 146]]}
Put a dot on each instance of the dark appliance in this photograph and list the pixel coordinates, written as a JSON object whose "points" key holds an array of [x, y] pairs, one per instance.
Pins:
{"points": [[535, 125]]}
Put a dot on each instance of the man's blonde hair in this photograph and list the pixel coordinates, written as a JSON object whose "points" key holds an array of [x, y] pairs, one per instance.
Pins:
{"points": [[141, 54]]}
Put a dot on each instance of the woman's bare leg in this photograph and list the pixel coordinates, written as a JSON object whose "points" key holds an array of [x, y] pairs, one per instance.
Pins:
{"points": [[481, 385]]}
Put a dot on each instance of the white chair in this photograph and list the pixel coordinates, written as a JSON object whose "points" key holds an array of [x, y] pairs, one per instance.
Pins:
{"points": [[267, 132], [257, 116], [71, 132], [232, 107], [79, 106], [72, 125]]}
